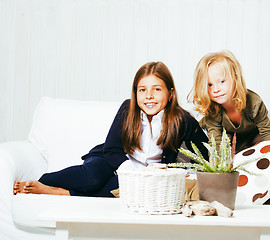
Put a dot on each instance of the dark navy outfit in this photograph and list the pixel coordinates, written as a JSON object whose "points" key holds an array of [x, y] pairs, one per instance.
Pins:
{"points": [[96, 176]]}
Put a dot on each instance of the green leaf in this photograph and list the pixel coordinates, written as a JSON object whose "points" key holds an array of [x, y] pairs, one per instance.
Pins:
{"points": [[219, 161]]}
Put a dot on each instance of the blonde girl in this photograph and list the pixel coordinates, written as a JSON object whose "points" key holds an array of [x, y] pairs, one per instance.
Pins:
{"points": [[220, 94]]}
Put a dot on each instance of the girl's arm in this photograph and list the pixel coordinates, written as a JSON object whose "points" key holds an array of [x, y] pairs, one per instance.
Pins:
{"points": [[195, 134], [113, 148], [262, 121], [213, 126]]}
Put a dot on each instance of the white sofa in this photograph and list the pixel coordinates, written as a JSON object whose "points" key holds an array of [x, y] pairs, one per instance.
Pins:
{"points": [[62, 131]]}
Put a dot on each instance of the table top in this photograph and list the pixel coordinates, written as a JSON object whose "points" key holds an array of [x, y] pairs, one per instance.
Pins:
{"points": [[111, 210]]}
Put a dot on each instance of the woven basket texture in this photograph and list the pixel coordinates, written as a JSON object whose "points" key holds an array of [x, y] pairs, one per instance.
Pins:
{"points": [[152, 192]]}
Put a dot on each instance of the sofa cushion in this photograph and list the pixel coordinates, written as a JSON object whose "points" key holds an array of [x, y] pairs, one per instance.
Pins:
{"points": [[254, 188], [26, 208], [64, 130]]}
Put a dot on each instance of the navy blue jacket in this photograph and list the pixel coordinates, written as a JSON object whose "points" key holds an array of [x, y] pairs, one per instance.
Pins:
{"points": [[112, 150]]}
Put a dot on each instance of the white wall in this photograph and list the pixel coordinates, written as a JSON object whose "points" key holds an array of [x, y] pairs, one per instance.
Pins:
{"points": [[91, 49]]}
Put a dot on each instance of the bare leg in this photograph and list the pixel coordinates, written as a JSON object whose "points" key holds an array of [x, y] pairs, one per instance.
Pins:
{"points": [[38, 188]]}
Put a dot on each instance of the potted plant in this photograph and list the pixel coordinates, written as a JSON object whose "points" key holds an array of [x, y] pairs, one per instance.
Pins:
{"points": [[217, 178]]}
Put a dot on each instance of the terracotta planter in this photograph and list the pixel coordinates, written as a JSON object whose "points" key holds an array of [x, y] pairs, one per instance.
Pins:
{"points": [[219, 187]]}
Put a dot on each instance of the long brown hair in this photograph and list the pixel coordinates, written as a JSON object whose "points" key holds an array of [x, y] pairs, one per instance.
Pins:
{"points": [[172, 120]]}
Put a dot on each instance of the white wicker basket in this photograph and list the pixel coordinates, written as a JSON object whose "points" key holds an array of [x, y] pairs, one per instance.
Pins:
{"points": [[152, 192]]}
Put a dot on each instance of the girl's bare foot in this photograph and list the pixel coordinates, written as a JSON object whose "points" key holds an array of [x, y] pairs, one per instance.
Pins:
{"points": [[38, 188], [18, 187]]}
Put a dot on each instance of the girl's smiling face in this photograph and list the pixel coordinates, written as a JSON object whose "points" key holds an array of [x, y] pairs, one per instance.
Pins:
{"points": [[152, 95], [220, 86]]}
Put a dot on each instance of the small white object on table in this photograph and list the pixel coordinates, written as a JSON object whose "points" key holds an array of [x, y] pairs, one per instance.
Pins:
{"points": [[105, 218]]}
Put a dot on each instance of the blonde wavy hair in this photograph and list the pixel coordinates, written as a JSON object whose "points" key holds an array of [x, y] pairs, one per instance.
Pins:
{"points": [[199, 92]]}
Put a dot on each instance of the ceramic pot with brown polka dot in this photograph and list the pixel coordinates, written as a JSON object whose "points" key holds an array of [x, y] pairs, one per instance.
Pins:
{"points": [[221, 187]]}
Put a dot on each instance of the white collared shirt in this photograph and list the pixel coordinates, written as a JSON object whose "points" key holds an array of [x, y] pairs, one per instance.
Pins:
{"points": [[150, 152]]}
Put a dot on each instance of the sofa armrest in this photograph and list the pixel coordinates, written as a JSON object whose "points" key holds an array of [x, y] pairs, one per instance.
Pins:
{"points": [[21, 161]]}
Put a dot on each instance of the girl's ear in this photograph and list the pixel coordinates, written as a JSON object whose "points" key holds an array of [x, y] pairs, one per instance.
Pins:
{"points": [[171, 94]]}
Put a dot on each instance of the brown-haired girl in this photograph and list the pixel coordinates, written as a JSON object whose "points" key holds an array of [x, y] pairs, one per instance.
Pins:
{"points": [[148, 128], [220, 94]]}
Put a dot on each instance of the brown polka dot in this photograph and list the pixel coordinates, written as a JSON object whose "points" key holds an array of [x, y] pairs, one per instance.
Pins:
{"points": [[248, 152], [256, 196], [263, 163], [265, 149], [264, 194], [243, 180]]}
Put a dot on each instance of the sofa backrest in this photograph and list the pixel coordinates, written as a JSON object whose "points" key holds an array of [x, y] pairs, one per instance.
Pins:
{"points": [[64, 130]]}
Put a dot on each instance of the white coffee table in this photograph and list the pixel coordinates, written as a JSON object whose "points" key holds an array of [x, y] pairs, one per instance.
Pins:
{"points": [[105, 218]]}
